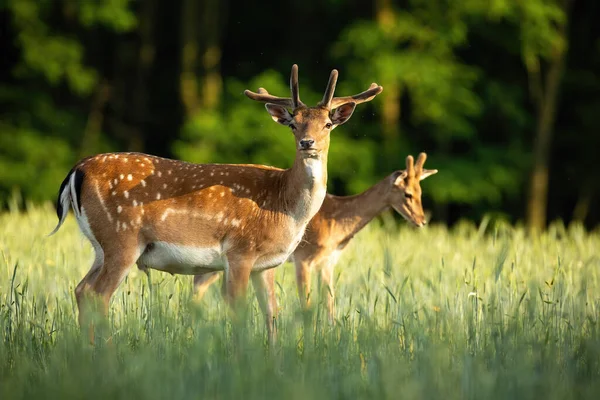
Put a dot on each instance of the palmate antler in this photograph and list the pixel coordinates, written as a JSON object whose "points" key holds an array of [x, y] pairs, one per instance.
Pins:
{"points": [[329, 102]]}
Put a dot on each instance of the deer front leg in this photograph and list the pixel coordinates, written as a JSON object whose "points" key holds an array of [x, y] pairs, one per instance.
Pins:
{"points": [[235, 285], [237, 275], [264, 286], [327, 287], [202, 282], [303, 272]]}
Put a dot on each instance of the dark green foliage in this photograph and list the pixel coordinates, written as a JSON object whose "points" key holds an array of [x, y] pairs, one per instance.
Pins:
{"points": [[461, 81]]}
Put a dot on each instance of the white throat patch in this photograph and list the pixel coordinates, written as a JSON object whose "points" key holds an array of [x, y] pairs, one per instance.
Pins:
{"points": [[314, 168]]}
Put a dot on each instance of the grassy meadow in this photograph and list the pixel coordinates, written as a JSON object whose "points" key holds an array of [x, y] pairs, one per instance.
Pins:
{"points": [[473, 312]]}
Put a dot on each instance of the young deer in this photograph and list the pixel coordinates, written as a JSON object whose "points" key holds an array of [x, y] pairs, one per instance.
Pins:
{"points": [[187, 218], [339, 219]]}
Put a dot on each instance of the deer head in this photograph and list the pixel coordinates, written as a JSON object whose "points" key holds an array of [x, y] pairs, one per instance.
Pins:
{"points": [[311, 125], [405, 196]]}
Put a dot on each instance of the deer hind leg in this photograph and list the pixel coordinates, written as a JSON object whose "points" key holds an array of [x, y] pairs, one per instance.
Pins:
{"points": [[202, 282], [264, 286], [84, 286], [98, 286]]}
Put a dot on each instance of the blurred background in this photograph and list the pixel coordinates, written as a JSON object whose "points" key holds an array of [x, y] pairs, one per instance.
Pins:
{"points": [[503, 95]]}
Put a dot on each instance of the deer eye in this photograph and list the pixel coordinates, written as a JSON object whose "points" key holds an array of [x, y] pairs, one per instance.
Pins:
{"points": [[328, 125], [408, 195], [292, 126]]}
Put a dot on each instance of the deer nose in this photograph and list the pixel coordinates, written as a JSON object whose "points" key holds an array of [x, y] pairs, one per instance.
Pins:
{"points": [[306, 143]]}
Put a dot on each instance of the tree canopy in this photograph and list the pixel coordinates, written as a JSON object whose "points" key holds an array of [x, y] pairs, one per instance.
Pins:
{"points": [[501, 94]]}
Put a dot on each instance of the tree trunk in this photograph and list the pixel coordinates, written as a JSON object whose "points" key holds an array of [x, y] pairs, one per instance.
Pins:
{"points": [[146, 53], [93, 126], [582, 207], [188, 83], [212, 83], [547, 99], [390, 116], [201, 56]]}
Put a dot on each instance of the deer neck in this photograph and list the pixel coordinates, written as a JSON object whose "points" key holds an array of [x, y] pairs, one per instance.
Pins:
{"points": [[305, 186], [352, 213]]}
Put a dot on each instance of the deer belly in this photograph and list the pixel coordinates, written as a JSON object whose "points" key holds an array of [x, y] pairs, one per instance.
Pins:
{"points": [[178, 259], [276, 258], [270, 261]]}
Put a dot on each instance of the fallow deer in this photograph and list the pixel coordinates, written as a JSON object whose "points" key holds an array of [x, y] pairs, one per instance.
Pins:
{"points": [[339, 219], [186, 218]]}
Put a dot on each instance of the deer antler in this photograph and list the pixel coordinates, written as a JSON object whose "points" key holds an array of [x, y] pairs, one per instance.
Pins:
{"points": [[420, 162], [328, 96], [265, 97], [289, 102], [410, 166], [365, 96], [294, 87], [328, 101]]}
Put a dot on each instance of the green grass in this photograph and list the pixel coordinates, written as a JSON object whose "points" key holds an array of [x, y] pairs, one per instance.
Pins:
{"points": [[431, 313]]}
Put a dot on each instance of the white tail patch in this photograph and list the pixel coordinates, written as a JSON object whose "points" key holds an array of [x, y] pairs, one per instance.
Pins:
{"points": [[65, 202], [73, 194], [84, 225]]}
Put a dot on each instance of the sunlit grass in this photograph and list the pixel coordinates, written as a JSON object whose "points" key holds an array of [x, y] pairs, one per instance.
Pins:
{"points": [[432, 313]]}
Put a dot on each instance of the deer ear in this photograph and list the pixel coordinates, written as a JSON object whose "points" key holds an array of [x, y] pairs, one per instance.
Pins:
{"points": [[427, 173], [400, 178], [279, 114], [342, 113]]}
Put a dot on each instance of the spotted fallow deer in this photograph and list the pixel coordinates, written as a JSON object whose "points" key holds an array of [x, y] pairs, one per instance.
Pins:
{"points": [[188, 218], [339, 219]]}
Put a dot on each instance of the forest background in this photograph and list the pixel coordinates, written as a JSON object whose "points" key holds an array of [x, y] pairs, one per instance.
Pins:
{"points": [[503, 95]]}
